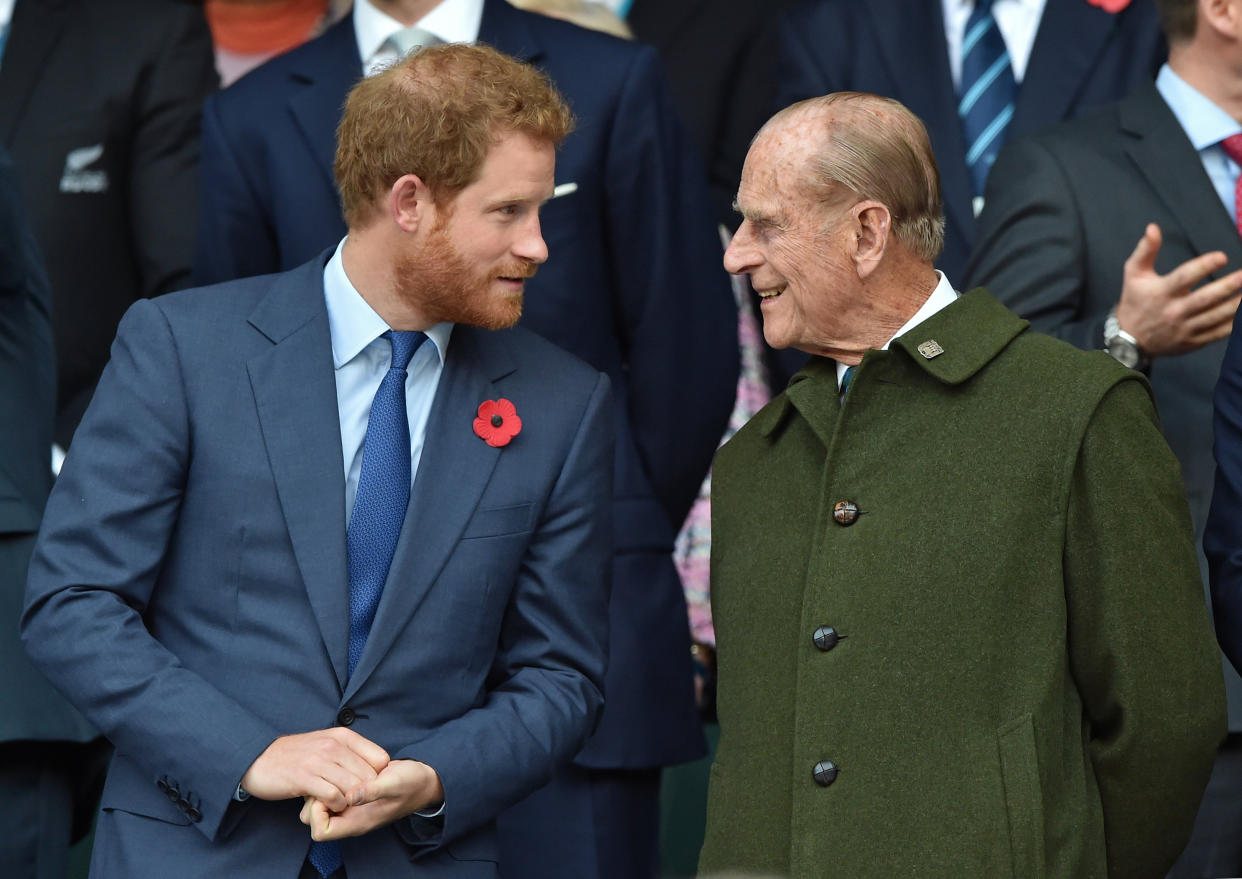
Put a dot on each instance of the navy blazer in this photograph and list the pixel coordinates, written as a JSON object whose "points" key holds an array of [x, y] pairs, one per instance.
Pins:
{"points": [[633, 285], [188, 590], [1222, 541]]}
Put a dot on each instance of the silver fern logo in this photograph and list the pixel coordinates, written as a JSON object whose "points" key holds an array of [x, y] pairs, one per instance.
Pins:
{"points": [[78, 176]]}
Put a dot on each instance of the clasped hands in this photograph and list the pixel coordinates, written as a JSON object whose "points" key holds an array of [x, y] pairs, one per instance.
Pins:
{"points": [[349, 783]]}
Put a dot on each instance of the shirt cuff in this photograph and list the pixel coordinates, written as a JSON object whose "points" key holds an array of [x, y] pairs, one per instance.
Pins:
{"points": [[430, 813]]}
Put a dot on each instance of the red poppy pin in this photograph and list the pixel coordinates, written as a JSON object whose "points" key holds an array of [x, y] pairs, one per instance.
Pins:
{"points": [[1110, 6], [498, 422]]}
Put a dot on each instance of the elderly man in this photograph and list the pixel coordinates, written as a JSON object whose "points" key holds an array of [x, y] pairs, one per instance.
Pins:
{"points": [[333, 543], [957, 605]]}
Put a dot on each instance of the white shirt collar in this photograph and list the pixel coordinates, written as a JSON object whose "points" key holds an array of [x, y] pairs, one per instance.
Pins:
{"points": [[454, 21], [353, 324], [6, 11], [1204, 122], [943, 295]]}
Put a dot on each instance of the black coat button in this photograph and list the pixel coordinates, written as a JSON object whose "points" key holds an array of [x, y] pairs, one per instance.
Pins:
{"points": [[826, 638], [194, 814], [174, 795], [347, 716], [162, 785], [825, 773], [845, 512]]}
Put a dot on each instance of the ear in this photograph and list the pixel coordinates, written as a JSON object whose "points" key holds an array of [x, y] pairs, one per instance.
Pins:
{"points": [[409, 201], [1222, 16], [872, 224]]}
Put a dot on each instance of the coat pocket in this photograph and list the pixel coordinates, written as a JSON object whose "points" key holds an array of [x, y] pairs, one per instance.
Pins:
{"points": [[1023, 797]]}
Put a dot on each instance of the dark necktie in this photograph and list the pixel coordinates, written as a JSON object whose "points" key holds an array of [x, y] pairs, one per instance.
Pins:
{"points": [[379, 511], [987, 92], [847, 379], [1232, 146]]}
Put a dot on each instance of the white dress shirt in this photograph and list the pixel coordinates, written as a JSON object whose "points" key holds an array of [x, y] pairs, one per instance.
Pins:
{"points": [[453, 21], [361, 359], [942, 296], [1206, 124], [1017, 21]]}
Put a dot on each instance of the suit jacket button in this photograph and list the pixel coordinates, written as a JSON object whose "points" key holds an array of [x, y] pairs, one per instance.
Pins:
{"points": [[173, 794], [347, 716], [194, 814], [845, 512], [162, 785], [825, 773], [826, 638]]}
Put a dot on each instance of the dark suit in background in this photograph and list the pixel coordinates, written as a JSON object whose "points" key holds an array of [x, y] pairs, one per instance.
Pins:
{"points": [[1063, 212], [634, 285], [99, 105], [39, 731], [721, 62], [1082, 56]]}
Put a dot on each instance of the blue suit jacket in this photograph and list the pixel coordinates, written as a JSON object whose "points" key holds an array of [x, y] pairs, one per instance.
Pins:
{"points": [[188, 590], [634, 286]]}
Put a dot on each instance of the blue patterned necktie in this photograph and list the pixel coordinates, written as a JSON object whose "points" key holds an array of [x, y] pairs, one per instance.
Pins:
{"points": [[379, 511], [987, 92], [847, 379]]}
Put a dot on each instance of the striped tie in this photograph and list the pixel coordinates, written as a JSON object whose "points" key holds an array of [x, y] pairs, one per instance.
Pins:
{"points": [[987, 92]]}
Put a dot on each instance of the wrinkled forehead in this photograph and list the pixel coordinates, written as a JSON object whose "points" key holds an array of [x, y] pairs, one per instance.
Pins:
{"points": [[778, 163]]}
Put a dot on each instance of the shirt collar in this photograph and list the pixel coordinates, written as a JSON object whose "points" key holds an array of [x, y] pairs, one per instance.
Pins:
{"points": [[1204, 122], [454, 21], [943, 295], [353, 324]]}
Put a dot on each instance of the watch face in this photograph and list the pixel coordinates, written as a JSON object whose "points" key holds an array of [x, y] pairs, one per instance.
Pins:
{"points": [[1124, 353]]}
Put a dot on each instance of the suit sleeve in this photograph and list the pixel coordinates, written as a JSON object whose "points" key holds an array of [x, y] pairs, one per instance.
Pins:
{"points": [[1222, 540], [235, 236], [1031, 250], [163, 177], [95, 569], [1141, 647], [678, 315], [551, 656]]}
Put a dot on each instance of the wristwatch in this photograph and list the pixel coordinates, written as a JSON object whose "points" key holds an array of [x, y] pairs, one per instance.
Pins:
{"points": [[1123, 347]]}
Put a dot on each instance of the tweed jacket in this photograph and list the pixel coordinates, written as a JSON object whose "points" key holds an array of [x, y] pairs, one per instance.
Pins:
{"points": [[1020, 681]]}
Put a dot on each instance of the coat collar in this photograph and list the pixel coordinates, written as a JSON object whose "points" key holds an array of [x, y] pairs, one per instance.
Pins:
{"points": [[507, 28], [971, 333]]}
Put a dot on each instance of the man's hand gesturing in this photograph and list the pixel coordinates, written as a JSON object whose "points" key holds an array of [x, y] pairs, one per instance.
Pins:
{"points": [[403, 787], [325, 764], [1162, 311]]}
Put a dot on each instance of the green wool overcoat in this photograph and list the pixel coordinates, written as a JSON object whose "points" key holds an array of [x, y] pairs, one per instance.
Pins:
{"points": [[1021, 679]]}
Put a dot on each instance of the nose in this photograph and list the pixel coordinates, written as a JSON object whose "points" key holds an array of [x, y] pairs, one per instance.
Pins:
{"points": [[530, 245], [741, 257]]}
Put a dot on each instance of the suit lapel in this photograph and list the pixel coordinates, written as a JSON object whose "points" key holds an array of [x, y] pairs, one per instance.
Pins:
{"points": [[454, 469], [1060, 67], [504, 27], [35, 28], [329, 67], [1164, 156], [911, 37], [295, 393]]}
